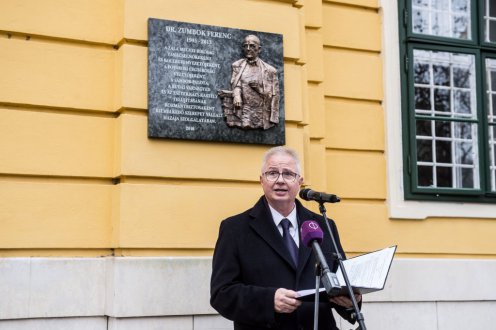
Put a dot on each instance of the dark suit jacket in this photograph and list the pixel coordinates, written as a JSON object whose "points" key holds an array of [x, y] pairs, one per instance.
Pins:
{"points": [[251, 262]]}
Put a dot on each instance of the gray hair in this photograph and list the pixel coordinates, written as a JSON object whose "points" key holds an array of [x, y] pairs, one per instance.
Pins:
{"points": [[282, 151]]}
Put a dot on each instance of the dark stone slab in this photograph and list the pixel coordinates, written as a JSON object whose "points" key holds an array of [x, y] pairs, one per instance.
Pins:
{"points": [[188, 64]]}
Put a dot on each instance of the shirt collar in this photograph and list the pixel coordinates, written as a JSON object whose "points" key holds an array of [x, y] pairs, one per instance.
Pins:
{"points": [[277, 217]]}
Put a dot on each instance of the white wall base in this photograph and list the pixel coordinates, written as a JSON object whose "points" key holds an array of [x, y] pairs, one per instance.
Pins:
{"points": [[198, 322], [173, 293], [73, 323]]}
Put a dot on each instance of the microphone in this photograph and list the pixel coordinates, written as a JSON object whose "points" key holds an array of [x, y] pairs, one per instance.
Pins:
{"points": [[311, 195], [311, 236]]}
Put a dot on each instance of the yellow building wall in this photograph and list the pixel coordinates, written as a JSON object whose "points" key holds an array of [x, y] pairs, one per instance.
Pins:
{"points": [[79, 177]]}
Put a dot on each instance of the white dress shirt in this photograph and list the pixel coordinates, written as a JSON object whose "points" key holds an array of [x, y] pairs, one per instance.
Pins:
{"points": [[293, 229]]}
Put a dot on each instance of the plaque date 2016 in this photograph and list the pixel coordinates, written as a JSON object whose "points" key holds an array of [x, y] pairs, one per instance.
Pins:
{"points": [[199, 41], [190, 128]]}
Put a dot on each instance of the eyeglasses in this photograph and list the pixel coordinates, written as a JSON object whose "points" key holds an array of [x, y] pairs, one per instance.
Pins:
{"points": [[286, 175]]}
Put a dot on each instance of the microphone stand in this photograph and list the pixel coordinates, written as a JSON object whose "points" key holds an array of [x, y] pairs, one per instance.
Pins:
{"points": [[339, 258], [318, 274]]}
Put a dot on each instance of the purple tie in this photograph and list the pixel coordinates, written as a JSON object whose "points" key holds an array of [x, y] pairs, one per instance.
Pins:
{"points": [[288, 240]]}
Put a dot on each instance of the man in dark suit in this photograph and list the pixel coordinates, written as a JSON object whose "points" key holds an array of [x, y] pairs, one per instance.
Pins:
{"points": [[255, 276]]}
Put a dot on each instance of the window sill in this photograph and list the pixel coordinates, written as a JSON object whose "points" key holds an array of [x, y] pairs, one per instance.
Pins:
{"points": [[401, 209]]}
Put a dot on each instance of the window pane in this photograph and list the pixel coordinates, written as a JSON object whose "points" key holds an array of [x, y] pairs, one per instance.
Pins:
{"points": [[422, 73], [441, 74], [423, 98], [425, 177], [440, 4], [492, 156], [466, 177], [492, 108], [490, 20], [450, 89], [421, 3], [460, 5], [463, 130], [443, 18], [492, 75], [440, 24], [424, 128], [461, 24], [420, 21], [491, 116], [492, 31], [444, 177], [491, 89], [424, 150], [443, 129], [463, 103], [442, 100], [461, 77], [443, 152], [464, 153], [492, 8]]}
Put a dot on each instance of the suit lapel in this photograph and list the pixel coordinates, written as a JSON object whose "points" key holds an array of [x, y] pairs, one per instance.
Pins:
{"points": [[263, 225], [304, 251], [238, 76], [263, 70]]}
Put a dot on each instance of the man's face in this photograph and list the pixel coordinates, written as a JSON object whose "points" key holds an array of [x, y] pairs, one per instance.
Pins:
{"points": [[251, 48], [280, 191]]}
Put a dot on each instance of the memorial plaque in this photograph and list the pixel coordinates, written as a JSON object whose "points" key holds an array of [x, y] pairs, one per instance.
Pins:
{"points": [[215, 83]]}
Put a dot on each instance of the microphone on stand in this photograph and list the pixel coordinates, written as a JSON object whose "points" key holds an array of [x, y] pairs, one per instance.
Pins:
{"points": [[311, 236], [312, 195]]}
